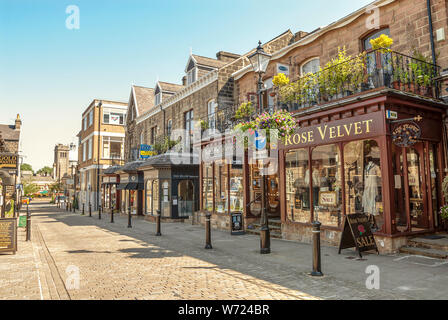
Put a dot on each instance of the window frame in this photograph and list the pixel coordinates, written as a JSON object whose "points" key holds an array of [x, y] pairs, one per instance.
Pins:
{"points": [[307, 62]]}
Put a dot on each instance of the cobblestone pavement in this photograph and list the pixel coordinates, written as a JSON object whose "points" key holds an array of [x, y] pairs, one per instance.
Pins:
{"points": [[116, 262]]}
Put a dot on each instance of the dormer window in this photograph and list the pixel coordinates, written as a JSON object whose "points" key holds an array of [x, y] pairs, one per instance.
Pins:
{"points": [[191, 76], [158, 99]]}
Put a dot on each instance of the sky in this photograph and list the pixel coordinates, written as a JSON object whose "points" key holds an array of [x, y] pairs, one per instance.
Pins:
{"points": [[49, 74]]}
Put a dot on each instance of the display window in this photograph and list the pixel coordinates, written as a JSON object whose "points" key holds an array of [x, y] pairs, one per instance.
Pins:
{"points": [[327, 185], [149, 197], [363, 182], [221, 186], [207, 187], [297, 171], [236, 189]]}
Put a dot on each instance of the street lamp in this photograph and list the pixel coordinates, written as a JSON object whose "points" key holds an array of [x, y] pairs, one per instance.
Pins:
{"points": [[260, 60]]}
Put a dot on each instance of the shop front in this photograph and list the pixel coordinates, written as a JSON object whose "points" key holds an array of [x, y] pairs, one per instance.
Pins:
{"points": [[171, 185], [352, 159], [110, 195], [131, 188]]}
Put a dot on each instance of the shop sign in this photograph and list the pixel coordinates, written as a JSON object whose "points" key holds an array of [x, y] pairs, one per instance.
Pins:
{"points": [[357, 234], [8, 161], [283, 68], [146, 151], [113, 179], [8, 235], [236, 224], [106, 179], [360, 127], [406, 134], [391, 115], [328, 199]]}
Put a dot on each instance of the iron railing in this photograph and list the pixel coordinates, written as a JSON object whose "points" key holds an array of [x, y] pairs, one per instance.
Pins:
{"points": [[372, 70]]}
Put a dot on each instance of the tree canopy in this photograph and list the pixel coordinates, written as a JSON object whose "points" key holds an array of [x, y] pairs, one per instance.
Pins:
{"points": [[45, 171], [26, 167]]}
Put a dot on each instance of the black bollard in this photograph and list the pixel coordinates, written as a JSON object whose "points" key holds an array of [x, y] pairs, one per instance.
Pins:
{"points": [[99, 212], [317, 272], [158, 217], [129, 218], [28, 223], [82, 209], [208, 239], [90, 209], [112, 216], [66, 206]]}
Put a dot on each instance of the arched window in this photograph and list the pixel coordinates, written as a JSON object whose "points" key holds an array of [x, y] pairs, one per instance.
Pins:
{"points": [[366, 41], [211, 111], [310, 66]]}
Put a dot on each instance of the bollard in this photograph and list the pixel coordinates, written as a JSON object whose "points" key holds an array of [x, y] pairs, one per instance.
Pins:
{"points": [[112, 216], [208, 240], [66, 206], [28, 223], [82, 209], [99, 213], [317, 272], [129, 218], [90, 209], [74, 208], [158, 217]]}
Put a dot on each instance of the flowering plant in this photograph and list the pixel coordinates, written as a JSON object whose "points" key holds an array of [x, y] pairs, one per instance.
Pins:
{"points": [[202, 124], [244, 111], [444, 212], [383, 42], [280, 80]]}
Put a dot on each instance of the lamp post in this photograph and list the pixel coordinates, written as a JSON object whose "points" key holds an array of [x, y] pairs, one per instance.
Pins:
{"points": [[260, 60]]}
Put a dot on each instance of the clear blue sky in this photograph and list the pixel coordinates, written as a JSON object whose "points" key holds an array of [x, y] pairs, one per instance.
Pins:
{"points": [[49, 74]]}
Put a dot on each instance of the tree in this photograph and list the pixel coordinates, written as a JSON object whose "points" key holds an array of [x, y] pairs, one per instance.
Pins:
{"points": [[26, 167], [56, 187], [30, 188], [46, 171]]}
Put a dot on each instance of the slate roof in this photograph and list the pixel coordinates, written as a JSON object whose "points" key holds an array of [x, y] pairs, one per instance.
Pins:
{"points": [[171, 87], [167, 160], [130, 166], [112, 169], [209, 62], [144, 98], [9, 132]]}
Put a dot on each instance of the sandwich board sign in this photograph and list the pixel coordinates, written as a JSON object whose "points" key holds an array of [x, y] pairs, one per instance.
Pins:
{"points": [[357, 234]]}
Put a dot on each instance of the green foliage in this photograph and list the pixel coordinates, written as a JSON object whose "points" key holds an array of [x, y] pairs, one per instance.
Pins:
{"points": [[45, 171], [26, 167], [30, 188], [244, 111], [56, 187], [165, 145]]}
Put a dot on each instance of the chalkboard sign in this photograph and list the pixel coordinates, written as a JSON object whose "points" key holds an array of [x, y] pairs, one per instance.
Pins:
{"points": [[8, 235], [237, 224], [357, 234]]}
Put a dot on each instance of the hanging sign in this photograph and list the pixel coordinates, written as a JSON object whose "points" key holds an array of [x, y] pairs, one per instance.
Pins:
{"points": [[357, 234], [8, 235], [8, 161], [406, 134], [146, 151]]}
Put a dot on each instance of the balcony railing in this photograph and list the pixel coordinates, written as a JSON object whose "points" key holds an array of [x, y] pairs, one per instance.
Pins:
{"points": [[222, 120], [373, 70]]}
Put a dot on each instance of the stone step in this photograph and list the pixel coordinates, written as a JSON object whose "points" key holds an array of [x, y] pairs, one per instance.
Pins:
{"points": [[271, 227], [437, 244], [432, 253]]}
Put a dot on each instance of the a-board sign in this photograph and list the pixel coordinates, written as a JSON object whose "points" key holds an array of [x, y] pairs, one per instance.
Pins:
{"points": [[236, 224], [22, 222], [8, 235], [357, 234]]}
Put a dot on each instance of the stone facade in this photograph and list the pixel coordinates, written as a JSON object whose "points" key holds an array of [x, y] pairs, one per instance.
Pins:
{"points": [[61, 162]]}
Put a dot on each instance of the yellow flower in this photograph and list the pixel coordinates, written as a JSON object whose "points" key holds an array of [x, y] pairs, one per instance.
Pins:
{"points": [[382, 42], [280, 80]]}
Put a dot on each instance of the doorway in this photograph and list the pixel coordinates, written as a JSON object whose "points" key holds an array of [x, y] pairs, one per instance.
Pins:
{"points": [[186, 198]]}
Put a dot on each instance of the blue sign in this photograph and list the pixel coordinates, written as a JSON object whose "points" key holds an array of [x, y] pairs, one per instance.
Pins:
{"points": [[260, 141], [146, 151]]}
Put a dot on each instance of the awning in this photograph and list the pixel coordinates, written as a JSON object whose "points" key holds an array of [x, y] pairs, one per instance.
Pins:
{"points": [[122, 186], [131, 186]]}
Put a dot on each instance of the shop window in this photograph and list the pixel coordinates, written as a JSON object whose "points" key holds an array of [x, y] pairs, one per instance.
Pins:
{"points": [[401, 217], [363, 181], [149, 197], [236, 189], [221, 187], [155, 197], [185, 196], [255, 190], [207, 187], [298, 186], [326, 185], [166, 202]]}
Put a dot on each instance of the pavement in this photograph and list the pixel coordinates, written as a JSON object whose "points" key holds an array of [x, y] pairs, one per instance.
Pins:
{"points": [[75, 257]]}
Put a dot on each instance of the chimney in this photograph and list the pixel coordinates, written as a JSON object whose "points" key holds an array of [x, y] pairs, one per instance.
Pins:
{"points": [[18, 122], [227, 56], [184, 80], [299, 35]]}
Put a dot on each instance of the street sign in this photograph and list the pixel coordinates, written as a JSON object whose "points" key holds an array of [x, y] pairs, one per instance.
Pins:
{"points": [[8, 235], [357, 234], [391, 115]]}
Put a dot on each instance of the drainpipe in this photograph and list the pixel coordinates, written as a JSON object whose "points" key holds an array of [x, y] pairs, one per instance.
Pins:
{"points": [[431, 32]]}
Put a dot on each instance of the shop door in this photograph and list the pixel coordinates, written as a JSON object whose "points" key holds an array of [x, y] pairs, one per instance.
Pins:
{"points": [[419, 193], [185, 198]]}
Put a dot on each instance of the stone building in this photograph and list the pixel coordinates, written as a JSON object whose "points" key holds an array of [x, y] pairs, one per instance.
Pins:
{"points": [[9, 166], [61, 163], [101, 145]]}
